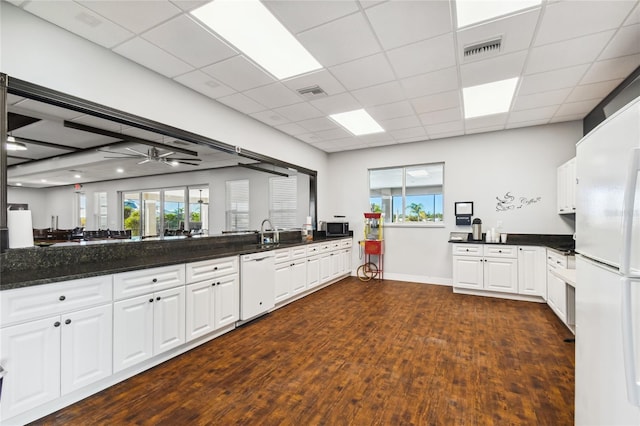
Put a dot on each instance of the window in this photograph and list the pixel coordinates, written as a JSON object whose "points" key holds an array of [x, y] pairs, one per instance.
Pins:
{"points": [[168, 211], [237, 210], [100, 210], [410, 194], [283, 201], [82, 210]]}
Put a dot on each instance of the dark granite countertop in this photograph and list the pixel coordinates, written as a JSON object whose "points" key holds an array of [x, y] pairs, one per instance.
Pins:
{"points": [[562, 243], [42, 265]]}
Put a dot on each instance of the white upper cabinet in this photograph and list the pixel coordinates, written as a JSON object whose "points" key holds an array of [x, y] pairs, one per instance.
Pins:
{"points": [[567, 187]]}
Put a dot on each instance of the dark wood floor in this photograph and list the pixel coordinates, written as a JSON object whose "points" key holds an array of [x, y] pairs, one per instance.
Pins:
{"points": [[382, 353]]}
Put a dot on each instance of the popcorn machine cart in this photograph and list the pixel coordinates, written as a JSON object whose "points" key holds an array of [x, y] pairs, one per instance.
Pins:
{"points": [[373, 245]]}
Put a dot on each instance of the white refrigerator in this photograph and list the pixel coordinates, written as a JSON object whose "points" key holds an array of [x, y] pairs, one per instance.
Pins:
{"points": [[608, 272]]}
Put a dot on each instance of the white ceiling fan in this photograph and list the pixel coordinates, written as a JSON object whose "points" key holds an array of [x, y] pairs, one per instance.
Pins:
{"points": [[153, 155]]}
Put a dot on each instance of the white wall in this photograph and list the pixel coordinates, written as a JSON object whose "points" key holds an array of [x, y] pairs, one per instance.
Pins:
{"points": [[38, 52], [478, 168]]}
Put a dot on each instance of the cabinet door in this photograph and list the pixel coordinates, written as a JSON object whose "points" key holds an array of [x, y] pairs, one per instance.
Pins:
{"points": [[200, 309], [283, 281], [132, 331], [227, 309], [298, 276], [557, 296], [313, 271], [168, 319], [467, 272], [501, 274], [30, 355], [326, 267], [337, 262], [532, 269], [562, 189], [571, 185], [86, 347]]}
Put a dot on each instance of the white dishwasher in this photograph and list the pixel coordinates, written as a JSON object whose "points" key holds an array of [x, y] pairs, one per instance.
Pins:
{"points": [[257, 284]]}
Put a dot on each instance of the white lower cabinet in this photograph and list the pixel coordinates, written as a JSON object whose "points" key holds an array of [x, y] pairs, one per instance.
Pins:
{"points": [[211, 304], [313, 271], [501, 274], [532, 277], [147, 325], [556, 286], [50, 357]]}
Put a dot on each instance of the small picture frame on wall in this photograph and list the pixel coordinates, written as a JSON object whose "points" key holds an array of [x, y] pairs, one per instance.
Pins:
{"points": [[463, 212]]}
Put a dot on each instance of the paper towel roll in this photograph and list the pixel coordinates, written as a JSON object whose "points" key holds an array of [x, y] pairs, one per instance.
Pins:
{"points": [[20, 228]]}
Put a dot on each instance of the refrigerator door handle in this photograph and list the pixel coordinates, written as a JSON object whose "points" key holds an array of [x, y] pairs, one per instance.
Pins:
{"points": [[627, 212], [628, 344]]}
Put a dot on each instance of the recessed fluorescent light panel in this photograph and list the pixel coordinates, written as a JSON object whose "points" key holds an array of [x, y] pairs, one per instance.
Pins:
{"points": [[249, 26], [358, 122], [488, 99], [472, 11]]}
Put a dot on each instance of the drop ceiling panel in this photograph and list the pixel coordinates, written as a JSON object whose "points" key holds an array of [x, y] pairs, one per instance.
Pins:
{"points": [[537, 100], [611, 69], [552, 80], [299, 111], [404, 22], [291, 129], [241, 103], [576, 108], [363, 72], [205, 84], [634, 16], [392, 110], [189, 41], [441, 116], [318, 124], [337, 103], [426, 84], [410, 134], [424, 56], [55, 132], [534, 114], [380, 94], [486, 122], [322, 78], [400, 123], [80, 20], [152, 57], [568, 53], [274, 95], [444, 100], [341, 40], [298, 16], [136, 16], [239, 73], [493, 69], [571, 19], [449, 129], [269, 117], [625, 42], [598, 91]]}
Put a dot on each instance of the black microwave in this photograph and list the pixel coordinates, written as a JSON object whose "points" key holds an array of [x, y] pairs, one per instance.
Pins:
{"points": [[336, 229]]}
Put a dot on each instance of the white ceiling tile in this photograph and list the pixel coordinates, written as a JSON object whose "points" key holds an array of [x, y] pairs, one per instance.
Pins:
{"points": [[424, 56], [516, 31], [634, 16], [494, 69], [201, 82], [80, 20], [189, 5], [567, 53], [333, 134], [239, 73], [443, 135], [611, 69], [398, 23], [533, 114], [392, 110], [445, 128], [625, 42], [340, 41], [269, 117], [318, 124], [563, 118], [473, 130], [441, 116], [370, 3], [526, 124], [551, 80], [291, 128], [301, 15], [363, 72], [440, 101], [537, 100], [336, 103], [299, 111], [412, 139], [488, 121], [321, 78], [400, 123], [309, 138], [593, 91], [136, 16], [575, 108], [242, 103], [203, 48], [427, 84], [152, 57], [409, 133], [274, 95], [570, 19], [380, 94], [376, 139]]}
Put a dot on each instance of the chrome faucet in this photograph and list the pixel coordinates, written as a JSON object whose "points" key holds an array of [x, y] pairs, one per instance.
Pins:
{"points": [[276, 235]]}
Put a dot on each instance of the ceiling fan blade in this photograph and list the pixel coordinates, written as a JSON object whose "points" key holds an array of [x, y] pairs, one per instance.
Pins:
{"points": [[144, 161], [137, 152], [166, 154], [122, 158], [186, 159]]}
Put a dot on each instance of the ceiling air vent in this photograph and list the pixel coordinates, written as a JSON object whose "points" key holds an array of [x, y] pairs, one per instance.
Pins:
{"points": [[483, 49], [312, 92]]}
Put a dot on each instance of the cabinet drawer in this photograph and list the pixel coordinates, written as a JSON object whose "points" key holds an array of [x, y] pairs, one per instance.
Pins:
{"points": [[313, 249], [346, 243], [467, 249], [281, 255], [135, 283], [500, 251], [326, 247], [556, 260], [298, 252], [25, 304], [208, 269]]}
